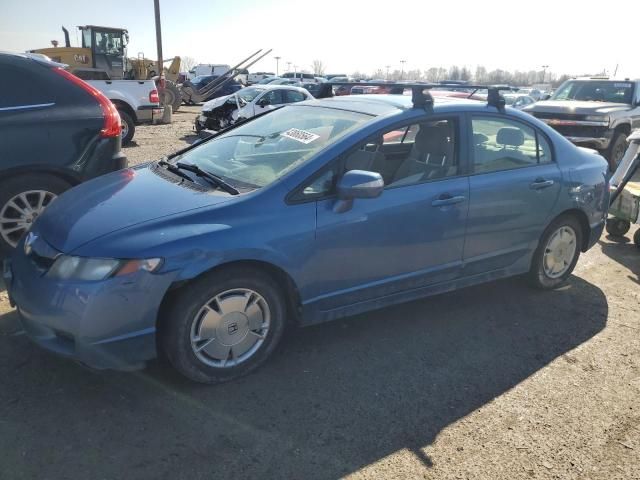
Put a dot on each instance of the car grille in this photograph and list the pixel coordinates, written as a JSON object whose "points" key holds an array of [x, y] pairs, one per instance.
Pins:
{"points": [[559, 116], [580, 131]]}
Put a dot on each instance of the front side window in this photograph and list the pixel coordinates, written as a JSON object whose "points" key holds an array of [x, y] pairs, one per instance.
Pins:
{"points": [[274, 97], [501, 144], [411, 154], [259, 152], [109, 43], [293, 96]]}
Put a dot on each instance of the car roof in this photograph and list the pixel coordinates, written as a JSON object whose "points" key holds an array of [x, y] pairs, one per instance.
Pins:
{"points": [[382, 104], [36, 57], [276, 87]]}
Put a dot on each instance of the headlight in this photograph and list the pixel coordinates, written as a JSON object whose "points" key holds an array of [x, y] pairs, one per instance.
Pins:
{"points": [[597, 118], [81, 268]]}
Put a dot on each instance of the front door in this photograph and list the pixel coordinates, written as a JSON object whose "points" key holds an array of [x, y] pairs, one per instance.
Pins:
{"points": [[409, 237], [514, 186]]}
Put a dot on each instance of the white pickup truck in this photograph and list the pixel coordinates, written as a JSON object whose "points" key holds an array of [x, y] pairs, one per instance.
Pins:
{"points": [[137, 102]]}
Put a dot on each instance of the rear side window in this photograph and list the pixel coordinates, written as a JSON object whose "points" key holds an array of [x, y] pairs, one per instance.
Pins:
{"points": [[24, 87], [501, 144]]}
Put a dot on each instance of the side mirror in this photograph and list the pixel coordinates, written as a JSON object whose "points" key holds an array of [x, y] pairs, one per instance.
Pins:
{"points": [[263, 102], [357, 184], [546, 97]]}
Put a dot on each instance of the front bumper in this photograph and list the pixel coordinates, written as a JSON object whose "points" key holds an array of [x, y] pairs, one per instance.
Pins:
{"points": [[104, 324]]}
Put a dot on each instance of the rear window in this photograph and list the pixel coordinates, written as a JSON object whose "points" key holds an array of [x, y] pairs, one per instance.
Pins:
{"points": [[24, 87]]}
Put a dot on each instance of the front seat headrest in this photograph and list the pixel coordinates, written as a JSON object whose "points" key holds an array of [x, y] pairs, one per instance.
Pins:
{"points": [[510, 136]]}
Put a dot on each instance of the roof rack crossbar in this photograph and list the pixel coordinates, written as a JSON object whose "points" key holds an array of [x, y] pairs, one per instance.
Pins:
{"points": [[420, 95]]}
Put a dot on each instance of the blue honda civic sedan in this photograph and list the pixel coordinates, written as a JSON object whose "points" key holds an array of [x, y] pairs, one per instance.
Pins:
{"points": [[312, 212]]}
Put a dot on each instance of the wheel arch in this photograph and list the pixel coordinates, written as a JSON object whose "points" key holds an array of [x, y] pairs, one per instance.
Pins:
{"points": [[281, 277], [120, 105], [624, 128], [19, 171], [583, 219]]}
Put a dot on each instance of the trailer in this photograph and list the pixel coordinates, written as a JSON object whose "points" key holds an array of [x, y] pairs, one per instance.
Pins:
{"points": [[624, 209]]}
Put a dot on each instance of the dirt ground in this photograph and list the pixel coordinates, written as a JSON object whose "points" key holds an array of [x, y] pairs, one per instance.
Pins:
{"points": [[492, 382]]}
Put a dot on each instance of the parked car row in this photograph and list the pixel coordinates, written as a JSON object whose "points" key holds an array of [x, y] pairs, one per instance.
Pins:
{"points": [[302, 215]]}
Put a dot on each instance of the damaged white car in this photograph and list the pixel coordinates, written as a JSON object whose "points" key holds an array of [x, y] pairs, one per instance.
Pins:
{"points": [[224, 111]]}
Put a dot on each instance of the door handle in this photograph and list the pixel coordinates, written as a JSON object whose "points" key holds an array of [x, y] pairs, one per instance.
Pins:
{"points": [[540, 183], [447, 199]]}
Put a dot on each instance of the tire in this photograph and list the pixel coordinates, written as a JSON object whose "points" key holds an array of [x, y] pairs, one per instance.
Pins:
{"points": [[616, 227], [616, 150], [31, 187], [210, 304], [171, 96], [636, 238], [549, 271], [128, 127]]}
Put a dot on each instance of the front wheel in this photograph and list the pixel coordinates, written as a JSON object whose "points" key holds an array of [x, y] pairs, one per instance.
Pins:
{"points": [[557, 253], [616, 150], [223, 325], [636, 238]]}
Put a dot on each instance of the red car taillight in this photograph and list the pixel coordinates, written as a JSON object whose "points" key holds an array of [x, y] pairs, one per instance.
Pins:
{"points": [[112, 126], [153, 96]]}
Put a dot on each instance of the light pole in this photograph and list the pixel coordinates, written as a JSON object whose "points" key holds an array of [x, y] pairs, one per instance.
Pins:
{"points": [[277, 66], [544, 71], [387, 67], [402, 71]]}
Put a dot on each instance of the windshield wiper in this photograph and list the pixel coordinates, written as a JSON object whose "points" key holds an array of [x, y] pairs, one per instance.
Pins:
{"points": [[212, 177], [173, 169]]}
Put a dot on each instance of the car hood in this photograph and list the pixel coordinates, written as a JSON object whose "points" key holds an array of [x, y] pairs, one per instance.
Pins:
{"points": [[215, 103], [114, 202], [569, 106]]}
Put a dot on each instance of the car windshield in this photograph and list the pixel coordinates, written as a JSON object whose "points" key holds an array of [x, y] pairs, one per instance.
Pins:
{"points": [[261, 151], [604, 91]]}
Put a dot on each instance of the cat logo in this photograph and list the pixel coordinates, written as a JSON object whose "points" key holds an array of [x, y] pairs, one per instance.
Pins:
{"points": [[81, 58]]}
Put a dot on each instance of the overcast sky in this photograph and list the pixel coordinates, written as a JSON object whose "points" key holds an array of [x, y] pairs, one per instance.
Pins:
{"points": [[573, 37]]}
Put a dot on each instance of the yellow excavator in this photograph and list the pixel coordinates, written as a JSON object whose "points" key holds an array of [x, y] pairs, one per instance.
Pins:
{"points": [[103, 57]]}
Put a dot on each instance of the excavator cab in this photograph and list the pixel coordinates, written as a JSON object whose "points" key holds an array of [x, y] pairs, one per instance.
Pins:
{"points": [[108, 48]]}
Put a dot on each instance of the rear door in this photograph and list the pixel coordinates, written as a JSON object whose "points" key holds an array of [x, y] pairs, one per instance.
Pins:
{"points": [[26, 103], [514, 186]]}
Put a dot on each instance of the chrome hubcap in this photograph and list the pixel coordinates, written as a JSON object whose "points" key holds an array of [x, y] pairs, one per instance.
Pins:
{"points": [[19, 213], [125, 129], [230, 328], [559, 252]]}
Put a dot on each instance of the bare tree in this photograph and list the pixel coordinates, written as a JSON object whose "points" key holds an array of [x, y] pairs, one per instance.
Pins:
{"points": [[318, 67], [187, 63]]}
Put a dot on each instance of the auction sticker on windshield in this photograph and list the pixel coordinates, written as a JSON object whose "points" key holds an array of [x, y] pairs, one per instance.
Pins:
{"points": [[301, 136]]}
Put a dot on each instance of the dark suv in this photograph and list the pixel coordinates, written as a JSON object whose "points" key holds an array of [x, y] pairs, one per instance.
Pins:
{"points": [[55, 132], [594, 112]]}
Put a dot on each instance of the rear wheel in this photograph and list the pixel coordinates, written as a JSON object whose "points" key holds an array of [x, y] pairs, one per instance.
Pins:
{"points": [[171, 96], [128, 127], [616, 227], [557, 253], [223, 325], [636, 238], [22, 200]]}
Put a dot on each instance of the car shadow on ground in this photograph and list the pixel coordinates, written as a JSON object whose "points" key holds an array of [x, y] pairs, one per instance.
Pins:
{"points": [[131, 144], [190, 139], [335, 398], [626, 253]]}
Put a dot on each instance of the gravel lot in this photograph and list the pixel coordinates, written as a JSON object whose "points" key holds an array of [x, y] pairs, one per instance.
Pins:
{"points": [[491, 382]]}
